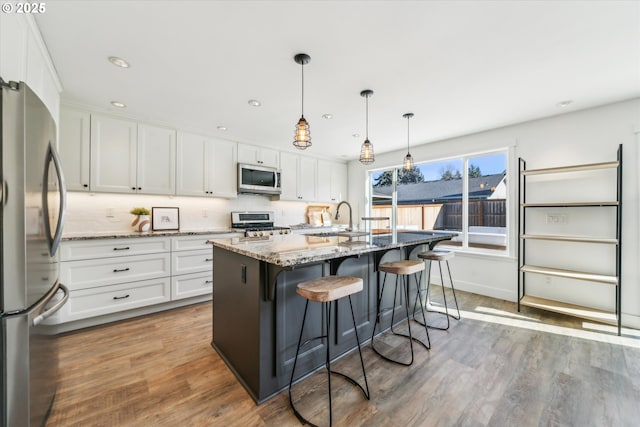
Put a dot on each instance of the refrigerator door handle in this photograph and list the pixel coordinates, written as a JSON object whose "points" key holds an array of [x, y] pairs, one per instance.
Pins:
{"points": [[39, 310], [54, 241]]}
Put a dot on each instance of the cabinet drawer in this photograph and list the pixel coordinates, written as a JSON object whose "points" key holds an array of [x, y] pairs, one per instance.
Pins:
{"points": [[187, 243], [102, 248], [110, 299], [192, 261], [190, 285], [108, 271]]}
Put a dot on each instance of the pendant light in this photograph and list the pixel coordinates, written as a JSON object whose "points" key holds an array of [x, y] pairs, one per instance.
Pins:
{"points": [[408, 160], [302, 137], [366, 151]]}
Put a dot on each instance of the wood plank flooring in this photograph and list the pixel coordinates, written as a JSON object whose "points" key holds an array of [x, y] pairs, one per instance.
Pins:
{"points": [[495, 367]]}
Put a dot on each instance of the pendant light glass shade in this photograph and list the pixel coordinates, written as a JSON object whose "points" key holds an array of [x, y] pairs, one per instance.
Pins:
{"points": [[302, 136], [366, 151], [407, 165]]}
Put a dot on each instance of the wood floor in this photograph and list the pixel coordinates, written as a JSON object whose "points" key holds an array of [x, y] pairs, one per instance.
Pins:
{"points": [[495, 367]]}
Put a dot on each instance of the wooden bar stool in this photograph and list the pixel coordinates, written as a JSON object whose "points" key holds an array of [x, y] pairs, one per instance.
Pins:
{"points": [[401, 269], [439, 255], [326, 290]]}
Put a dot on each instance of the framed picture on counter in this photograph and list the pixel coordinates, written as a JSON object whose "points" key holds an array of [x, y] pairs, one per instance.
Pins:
{"points": [[165, 219]]}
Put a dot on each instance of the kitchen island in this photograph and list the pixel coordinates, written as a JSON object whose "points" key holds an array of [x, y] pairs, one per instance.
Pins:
{"points": [[257, 313]]}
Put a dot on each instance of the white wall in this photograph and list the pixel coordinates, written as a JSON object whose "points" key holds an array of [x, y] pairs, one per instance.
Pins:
{"points": [[587, 136], [88, 212]]}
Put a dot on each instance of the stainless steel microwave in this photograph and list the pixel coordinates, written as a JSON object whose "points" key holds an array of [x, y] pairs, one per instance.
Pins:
{"points": [[258, 179]]}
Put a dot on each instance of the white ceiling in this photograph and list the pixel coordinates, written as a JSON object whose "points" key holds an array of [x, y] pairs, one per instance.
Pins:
{"points": [[460, 67]]}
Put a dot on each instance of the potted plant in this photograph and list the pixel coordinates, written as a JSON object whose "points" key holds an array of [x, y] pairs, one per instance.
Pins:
{"points": [[141, 222]]}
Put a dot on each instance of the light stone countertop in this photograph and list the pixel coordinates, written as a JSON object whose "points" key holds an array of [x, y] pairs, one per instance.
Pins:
{"points": [[132, 234], [296, 249]]}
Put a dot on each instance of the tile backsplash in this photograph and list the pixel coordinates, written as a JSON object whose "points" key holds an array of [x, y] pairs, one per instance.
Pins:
{"points": [[101, 212]]}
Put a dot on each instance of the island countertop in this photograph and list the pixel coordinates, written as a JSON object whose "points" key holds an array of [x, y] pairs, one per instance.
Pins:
{"points": [[296, 249]]}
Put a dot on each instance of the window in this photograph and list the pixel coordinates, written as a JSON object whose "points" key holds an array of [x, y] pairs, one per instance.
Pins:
{"points": [[465, 195]]}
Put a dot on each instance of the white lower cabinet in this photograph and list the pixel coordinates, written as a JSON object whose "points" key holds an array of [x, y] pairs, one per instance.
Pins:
{"points": [[106, 276], [191, 266], [84, 274], [109, 277], [114, 298], [189, 285]]}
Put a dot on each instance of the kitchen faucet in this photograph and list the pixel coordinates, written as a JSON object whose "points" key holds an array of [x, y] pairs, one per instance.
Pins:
{"points": [[350, 216]]}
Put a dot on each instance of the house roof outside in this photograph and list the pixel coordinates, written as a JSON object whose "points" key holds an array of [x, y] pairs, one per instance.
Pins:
{"points": [[482, 187]]}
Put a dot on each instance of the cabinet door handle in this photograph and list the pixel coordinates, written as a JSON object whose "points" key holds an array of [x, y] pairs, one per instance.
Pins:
{"points": [[126, 296], [119, 270], [125, 248], [85, 185], [208, 282], [133, 188], [208, 260], [139, 188]]}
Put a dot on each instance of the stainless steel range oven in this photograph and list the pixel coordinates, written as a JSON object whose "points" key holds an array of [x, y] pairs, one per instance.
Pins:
{"points": [[257, 223]]}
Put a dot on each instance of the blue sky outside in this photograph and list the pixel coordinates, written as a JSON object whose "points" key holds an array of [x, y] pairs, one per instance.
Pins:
{"points": [[488, 164]]}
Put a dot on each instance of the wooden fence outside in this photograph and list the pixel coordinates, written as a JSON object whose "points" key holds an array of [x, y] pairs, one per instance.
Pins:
{"points": [[447, 215]]}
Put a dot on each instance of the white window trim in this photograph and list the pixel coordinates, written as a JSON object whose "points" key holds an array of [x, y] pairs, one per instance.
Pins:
{"points": [[510, 206]]}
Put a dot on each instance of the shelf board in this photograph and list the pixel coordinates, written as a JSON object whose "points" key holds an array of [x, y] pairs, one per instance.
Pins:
{"points": [[570, 274], [570, 309], [580, 239], [567, 204], [575, 168]]}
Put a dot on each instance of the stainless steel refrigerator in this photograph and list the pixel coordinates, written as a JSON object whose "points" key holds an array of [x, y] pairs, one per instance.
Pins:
{"points": [[33, 197]]}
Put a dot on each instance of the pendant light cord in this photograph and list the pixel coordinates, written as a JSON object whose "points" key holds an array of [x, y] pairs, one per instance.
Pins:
{"points": [[408, 134], [367, 118], [302, 109]]}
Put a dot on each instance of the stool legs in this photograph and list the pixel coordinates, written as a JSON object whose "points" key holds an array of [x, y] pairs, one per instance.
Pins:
{"points": [[327, 312], [444, 297], [405, 287]]}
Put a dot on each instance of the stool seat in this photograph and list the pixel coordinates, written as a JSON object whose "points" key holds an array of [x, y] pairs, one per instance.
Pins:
{"points": [[405, 267], [436, 255], [329, 288]]}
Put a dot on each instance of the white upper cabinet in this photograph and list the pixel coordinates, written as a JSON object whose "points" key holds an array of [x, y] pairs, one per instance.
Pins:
{"points": [[74, 148], [156, 160], [131, 158], [114, 146], [25, 58], [223, 170], [191, 175], [206, 167], [254, 155], [13, 42], [332, 181], [298, 177]]}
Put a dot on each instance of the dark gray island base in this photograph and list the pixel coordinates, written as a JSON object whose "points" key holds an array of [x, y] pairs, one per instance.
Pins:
{"points": [[257, 313]]}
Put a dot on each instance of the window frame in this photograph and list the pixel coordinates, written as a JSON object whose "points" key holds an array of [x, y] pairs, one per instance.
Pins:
{"points": [[511, 198]]}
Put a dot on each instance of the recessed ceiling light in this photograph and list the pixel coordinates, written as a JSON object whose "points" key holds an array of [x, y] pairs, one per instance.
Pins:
{"points": [[254, 103], [222, 128], [119, 62], [327, 116], [356, 135], [563, 104], [118, 104]]}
